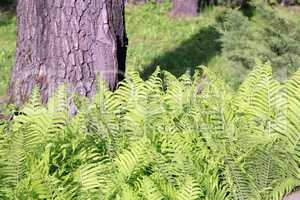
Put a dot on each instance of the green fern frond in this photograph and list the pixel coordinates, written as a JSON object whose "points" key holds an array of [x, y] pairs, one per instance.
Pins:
{"points": [[265, 167], [35, 99], [154, 83], [163, 138], [150, 191], [14, 168], [87, 176], [58, 102], [240, 185], [245, 92], [127, 193], [133, 160], [288, 127], [190, 190]]}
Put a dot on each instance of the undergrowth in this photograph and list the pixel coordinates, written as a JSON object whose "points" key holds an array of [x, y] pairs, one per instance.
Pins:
{"points": [[164, 138]]}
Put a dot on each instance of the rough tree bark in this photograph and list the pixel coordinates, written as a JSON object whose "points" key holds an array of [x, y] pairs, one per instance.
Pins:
{"points": [[67, 41], [186, 8], [285, 3]]}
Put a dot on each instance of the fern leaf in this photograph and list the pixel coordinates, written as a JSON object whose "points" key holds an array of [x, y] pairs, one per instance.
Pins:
{"points": [[133, 160], [150, 190], [87, 176], [190, 190]]}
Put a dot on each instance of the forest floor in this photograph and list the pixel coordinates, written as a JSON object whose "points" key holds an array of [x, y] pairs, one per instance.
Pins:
{"points": [[155, 39]]}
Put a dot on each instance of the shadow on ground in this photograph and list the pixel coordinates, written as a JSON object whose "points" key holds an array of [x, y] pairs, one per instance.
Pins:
{"points": [[198, 50], [6, 19], [248, 9], [7, 5]]}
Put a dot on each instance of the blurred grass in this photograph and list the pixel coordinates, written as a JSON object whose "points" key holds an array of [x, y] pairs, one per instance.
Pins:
{"points": [[176, 45], [7, 48]]}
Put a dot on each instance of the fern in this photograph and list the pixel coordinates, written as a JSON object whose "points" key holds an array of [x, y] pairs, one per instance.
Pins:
{"points": [[150, 190], [189, 191], [242, 188], [132, 161], [163, 138]]}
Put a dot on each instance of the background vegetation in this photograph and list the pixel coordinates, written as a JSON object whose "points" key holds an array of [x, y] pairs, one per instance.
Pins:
{"points": [[228, 41]]}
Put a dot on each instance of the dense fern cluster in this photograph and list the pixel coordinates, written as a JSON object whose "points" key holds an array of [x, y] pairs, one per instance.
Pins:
{"points": [[164, 138]]}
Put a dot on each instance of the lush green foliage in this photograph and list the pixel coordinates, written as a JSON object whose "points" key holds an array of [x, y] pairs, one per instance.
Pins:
{"points": [[159, 139], [276, 39], [7, 48]]}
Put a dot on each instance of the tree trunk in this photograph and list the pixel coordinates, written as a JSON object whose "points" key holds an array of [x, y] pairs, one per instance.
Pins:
{"points": [[186, 8], [285, 3], [67, 41], [293, 196]]}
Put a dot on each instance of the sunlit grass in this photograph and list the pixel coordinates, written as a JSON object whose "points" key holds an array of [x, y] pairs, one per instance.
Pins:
{"points": [[7, 49], [153, 33]]}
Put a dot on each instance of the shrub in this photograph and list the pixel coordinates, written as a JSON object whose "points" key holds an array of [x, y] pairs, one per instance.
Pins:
{"points": [[274, 39]]}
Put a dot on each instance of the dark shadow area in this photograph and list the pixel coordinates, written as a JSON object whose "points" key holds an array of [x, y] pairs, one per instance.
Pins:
{"points": [[198, 50], [248, 9], [7, 5], [204, 4]]}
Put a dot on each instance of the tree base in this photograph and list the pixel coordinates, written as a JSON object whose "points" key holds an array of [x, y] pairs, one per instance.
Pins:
{"points": [[184, 8]]}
